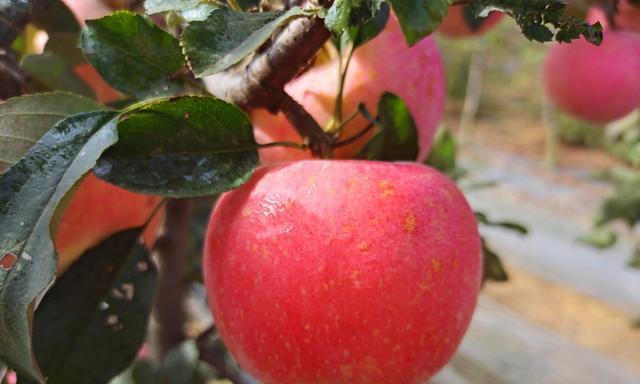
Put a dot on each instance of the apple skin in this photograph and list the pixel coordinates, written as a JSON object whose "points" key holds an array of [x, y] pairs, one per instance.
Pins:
{"points": [[596, 84], [384, 64], [98, 210], [338, 271], [454, 26]]}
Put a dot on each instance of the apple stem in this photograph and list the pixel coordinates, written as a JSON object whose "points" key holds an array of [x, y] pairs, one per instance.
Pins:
{"points": [[320, 142], [171, 252]]}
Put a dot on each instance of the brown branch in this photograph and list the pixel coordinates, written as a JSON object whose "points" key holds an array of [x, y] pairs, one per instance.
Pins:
{"points": [[171, 251], [320, 142], [260, 84]]}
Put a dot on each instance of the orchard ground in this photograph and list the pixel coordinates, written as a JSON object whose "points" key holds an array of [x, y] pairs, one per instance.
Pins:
{"points": [[571, 305]]}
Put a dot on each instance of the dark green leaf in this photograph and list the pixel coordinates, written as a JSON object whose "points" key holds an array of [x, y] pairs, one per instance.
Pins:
{"points": [[492, 268], [419, 18], [132, 54], [189, 10], [23, 120], [359, 35], [350, 13], [186, 146], [536, 18], [338, 16], [227, 36], [91, 324], [443, 152], [181, 363], [398, 137], [483, 219], [29, 194], [55, 72], [471, 18]]}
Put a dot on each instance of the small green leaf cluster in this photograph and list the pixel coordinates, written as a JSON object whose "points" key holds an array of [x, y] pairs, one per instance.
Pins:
{"points": [[536, 19]]}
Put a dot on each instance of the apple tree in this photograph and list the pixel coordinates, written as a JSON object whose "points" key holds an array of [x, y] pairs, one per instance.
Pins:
{"points": [[125, 123]]}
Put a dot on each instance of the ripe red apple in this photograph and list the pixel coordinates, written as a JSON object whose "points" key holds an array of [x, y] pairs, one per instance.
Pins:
{"points": [[454, 24], [595, 83], [96, 211], [329, 271], [386, 63]]}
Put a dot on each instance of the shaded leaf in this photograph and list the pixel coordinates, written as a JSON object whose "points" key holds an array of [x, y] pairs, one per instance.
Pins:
{"points": [[29, 194], [398, 137], [536, 18], [518, 228], [359, 35], [471, 18], [419, 18], [492, 268], [180, 147], [350, 13], [92, 322], [443, 152], [226, 37], [132, 54], [181, 364], [23, 120], [55, 73]]}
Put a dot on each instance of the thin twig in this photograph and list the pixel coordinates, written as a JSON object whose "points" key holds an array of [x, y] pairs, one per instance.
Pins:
{"points": [[356, 137]]}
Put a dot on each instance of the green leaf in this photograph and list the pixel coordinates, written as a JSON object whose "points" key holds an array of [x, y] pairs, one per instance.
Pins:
{"points": [[443, 152], [180, 147], [492, 268], [226, 37], [419, 18], [29, 194], [189, 10], [92, 322], [359, 35], [181, 364], [600, 237], [536, 18], [55, 72], [518, 228], [345, 13], [398, 137], [23, 120], [133, 54]]}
